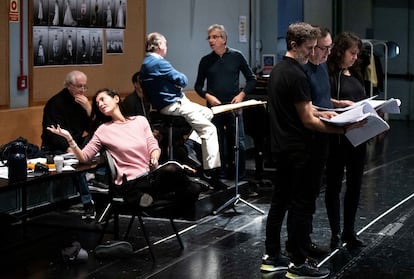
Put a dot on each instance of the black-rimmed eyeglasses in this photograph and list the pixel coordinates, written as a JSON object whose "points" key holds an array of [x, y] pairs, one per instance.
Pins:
{"points": [[324, 48]]}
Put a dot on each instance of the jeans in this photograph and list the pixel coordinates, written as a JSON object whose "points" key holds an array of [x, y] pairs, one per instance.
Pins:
{"points": [[80, 181]]}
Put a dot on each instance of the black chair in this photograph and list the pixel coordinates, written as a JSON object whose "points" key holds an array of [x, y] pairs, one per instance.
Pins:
{"points": [[175, 128], [166, 209]]}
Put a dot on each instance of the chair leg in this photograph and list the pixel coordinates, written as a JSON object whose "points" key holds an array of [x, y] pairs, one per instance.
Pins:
{"points": [[105, 226], [146, 236], [106, 210], [180, 241], [131, 221], [116, 224]]}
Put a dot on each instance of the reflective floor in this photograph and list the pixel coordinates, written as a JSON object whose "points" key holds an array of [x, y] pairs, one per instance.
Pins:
{"points": [[230, 244]]}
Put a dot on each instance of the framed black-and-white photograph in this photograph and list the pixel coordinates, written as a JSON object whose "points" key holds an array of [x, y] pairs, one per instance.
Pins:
{"points": [[40, 43], [114, 41], [55, 46]]}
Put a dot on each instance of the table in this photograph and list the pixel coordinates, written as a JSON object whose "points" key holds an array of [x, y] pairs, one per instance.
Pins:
{"points": [[38, 180]]}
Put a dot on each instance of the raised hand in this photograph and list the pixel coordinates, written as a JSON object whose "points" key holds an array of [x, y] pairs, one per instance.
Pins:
{"points": [[59, 131]]}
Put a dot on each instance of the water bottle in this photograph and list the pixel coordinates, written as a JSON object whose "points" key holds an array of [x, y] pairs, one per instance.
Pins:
{"points": [[17, 162]]}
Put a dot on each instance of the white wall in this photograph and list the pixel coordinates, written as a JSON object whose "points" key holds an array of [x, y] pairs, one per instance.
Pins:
{"points": [[184, 23]]}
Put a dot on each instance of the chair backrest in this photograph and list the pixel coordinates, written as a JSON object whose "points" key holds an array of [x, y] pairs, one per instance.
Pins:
{"points": [[111, 166]]}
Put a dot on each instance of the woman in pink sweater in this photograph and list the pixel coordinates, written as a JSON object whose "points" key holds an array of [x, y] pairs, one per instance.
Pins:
{"points": [[129, 140]]}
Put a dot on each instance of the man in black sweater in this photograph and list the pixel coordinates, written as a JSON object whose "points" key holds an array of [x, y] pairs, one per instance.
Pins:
{"points": [[70, 109]]}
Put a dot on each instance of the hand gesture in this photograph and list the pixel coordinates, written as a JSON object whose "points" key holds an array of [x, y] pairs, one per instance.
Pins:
{"points": [[60, 132]]}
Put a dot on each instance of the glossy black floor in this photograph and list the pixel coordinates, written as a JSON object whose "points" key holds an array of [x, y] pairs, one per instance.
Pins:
{"points": [[230, 244]]}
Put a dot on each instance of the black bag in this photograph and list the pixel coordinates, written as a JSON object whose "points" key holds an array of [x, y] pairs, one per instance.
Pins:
{"points": [[114, 249], [32, 150]]}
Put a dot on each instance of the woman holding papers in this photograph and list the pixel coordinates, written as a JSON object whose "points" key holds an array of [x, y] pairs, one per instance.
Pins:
{"points": [[346, 84]]}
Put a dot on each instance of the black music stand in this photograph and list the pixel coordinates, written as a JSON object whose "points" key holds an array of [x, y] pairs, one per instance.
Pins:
{"points": [[234, 200]]}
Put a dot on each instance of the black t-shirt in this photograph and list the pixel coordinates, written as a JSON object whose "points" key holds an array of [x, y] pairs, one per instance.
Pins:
{"points": [[288, 85], [351, 89]]}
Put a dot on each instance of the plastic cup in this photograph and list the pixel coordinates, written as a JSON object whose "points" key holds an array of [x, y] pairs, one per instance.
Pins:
{"points": [[58, 160]]}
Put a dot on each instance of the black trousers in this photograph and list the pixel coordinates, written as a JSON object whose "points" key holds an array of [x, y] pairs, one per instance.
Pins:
{"points": [[343, 156], [295, 194]]}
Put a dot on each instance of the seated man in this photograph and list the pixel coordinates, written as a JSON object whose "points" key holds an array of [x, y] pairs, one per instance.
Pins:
{"points": [[136, 103], [163, 85], [70, 108]]}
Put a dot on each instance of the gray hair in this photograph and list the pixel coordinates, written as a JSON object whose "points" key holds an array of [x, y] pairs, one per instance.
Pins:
{"points": [[72, 76], [153, 41], [220, 28]]}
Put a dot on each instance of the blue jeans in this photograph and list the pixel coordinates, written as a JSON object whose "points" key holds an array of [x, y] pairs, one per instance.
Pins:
{"points": [[80, 181]]}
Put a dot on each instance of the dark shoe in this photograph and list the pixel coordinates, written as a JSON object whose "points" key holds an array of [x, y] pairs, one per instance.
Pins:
{"points": [[212, 177], [335, 242], [352, 241], [114, 249], [316, 251], [271, 264], [89, 211], [306, 270], [145, 200]]}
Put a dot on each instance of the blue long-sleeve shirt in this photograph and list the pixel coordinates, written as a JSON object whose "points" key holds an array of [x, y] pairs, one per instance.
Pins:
{"points": [[160, 81], [223, 75], [320, 84]]}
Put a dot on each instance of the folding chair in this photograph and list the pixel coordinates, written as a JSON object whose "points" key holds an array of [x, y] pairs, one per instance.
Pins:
{"points": [[117, 206]]}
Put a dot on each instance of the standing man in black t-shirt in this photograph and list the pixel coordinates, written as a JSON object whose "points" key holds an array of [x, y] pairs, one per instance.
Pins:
{"points": [[292, 122]]}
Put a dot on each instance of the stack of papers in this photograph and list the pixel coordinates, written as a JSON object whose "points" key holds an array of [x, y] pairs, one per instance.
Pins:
{"points": [[365, 110]]}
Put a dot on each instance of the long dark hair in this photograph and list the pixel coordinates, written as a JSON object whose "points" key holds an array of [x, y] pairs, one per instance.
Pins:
{"points": [[341, 43], [97, 116]]}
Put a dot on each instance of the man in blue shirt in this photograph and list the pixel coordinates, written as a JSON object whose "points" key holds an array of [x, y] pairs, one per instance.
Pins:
{"points": [[164, 87]]}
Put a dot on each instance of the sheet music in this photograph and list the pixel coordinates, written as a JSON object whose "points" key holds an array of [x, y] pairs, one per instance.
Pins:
{"points": [[229, 107], [356, 104], [375, 124]]}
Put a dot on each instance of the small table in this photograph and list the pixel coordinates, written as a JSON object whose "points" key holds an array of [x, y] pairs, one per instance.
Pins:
{"points": [[37, 180]]}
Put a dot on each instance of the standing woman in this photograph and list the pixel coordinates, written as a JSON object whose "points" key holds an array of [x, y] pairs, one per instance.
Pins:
{"points": [[346, 84], [129, 140]]}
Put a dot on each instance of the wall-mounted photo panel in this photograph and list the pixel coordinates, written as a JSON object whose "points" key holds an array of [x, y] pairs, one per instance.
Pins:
{"points": [[40, 43], [114, 41]]}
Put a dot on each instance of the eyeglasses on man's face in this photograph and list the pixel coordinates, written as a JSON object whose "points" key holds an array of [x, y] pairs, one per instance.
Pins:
{"points": [[324, 48], [83, 87], [214, 37]]}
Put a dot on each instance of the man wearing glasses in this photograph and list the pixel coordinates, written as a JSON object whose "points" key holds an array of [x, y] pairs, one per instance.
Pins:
{"points": [[218, 81], [70, 109]]}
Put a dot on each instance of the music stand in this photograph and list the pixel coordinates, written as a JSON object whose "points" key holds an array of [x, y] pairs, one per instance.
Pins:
{"points": [[236, 109]]}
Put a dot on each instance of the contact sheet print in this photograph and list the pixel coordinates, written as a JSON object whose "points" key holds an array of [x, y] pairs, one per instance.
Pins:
{"points": [[72, 31]]}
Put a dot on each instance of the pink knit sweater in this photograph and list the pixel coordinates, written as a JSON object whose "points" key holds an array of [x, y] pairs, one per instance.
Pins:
{"points": [[129, 143]]}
